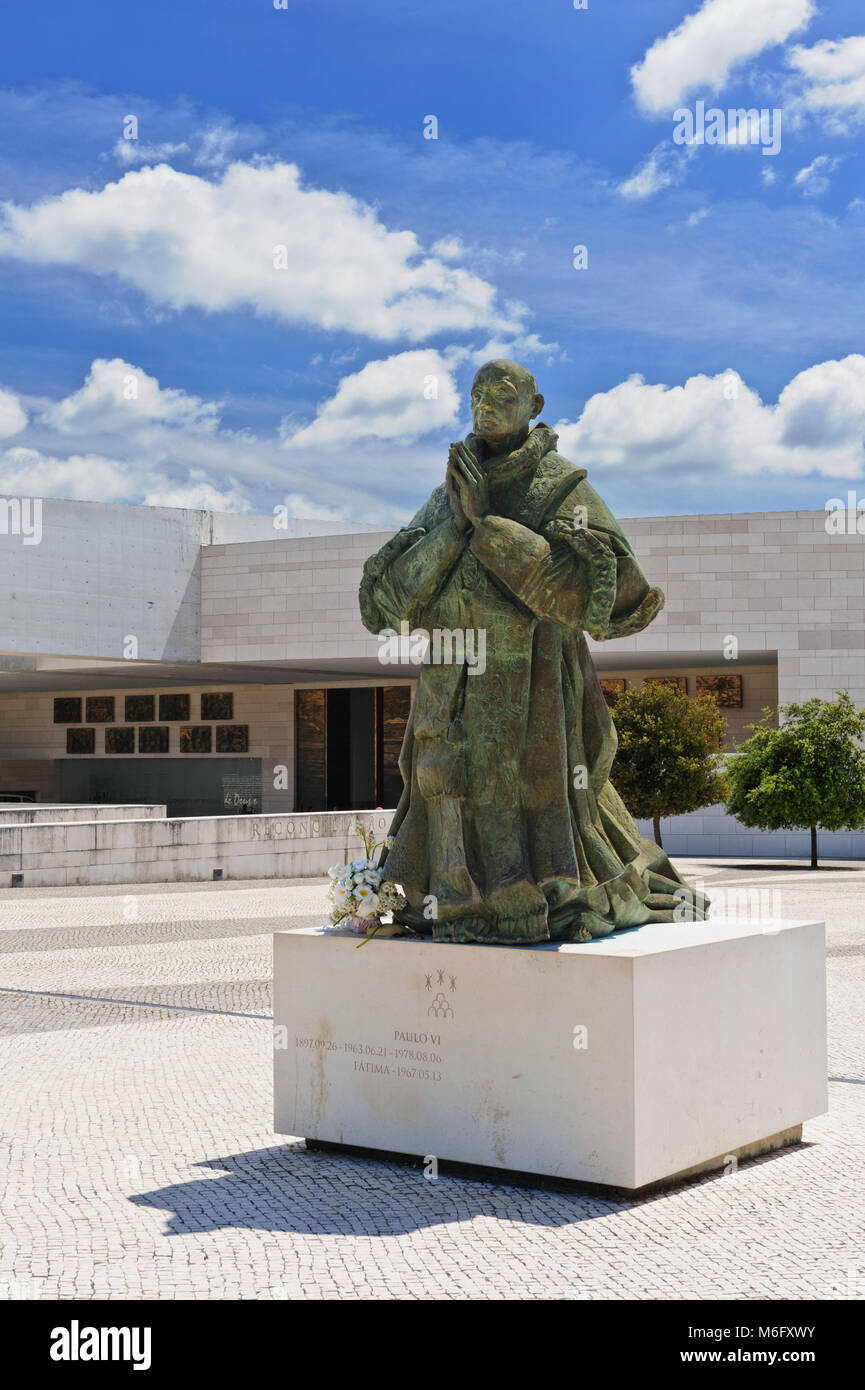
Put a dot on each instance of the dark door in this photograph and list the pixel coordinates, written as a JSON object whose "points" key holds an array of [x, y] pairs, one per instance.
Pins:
{"points": [[347, 744]]}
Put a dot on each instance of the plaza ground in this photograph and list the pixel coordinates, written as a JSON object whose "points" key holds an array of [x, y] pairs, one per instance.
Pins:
{"points": [[138, 1159]]}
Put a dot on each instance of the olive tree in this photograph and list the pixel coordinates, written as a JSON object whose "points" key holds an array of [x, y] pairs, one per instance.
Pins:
{"points": [[807, 773], [670, 752]]}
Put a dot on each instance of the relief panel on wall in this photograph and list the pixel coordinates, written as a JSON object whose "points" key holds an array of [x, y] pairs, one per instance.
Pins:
{"points": [[120, 740], [217, 706], [67, 710], [196, 738], [174, 707], [80, 740], [140, 708], [154, 739], [232, 738], [100, 709], [727, 690]]}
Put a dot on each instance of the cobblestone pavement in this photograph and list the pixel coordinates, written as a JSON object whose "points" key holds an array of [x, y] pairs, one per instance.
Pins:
{"points": [[138, 1159]]}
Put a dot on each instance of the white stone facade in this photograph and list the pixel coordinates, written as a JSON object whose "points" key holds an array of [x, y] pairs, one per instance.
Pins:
{"points": [[218, 602]]}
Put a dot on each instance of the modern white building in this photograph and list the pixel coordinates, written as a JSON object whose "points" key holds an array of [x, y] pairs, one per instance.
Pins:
{"points": [[216, 663]]}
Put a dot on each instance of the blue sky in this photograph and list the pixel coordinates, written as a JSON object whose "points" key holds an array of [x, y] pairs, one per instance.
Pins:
{"points": [[279, 288]]}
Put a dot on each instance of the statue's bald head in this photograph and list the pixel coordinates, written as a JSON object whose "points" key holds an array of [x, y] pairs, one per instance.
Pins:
{"points": [[500, 367], [504, 400]]}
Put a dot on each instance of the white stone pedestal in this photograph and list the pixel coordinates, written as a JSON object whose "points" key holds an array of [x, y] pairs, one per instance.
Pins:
{"points": [[657, 1052]]}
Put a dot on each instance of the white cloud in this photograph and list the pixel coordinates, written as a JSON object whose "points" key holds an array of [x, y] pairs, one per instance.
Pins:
{"points": [[215, 145], [84, 477], [187, 242], [13, 417], [350, 463], [834, 72], [119, 396], [664, 167], [168, 448], [196, 494], [814, 179], [134, 152], [704, 49], [400, 397], [91, 477], [717, 425], [299, 505], [449, 248]]}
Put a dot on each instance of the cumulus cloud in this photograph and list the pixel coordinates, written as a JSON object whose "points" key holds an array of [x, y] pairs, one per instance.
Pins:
{"points": [[159, 446], [815, 178], [834, 74], [709, 44], [664, 167], [258, 238], [13, 416], [716, 425], [351, 463], [91, 477], [400, 397], [119, 396], [84, 477]]}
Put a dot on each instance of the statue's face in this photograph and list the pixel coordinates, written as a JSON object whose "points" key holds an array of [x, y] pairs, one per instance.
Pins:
{"points": [[500, 408]]}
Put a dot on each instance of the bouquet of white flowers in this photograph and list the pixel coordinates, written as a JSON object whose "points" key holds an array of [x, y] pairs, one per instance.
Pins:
{"points": [[360, 892]]}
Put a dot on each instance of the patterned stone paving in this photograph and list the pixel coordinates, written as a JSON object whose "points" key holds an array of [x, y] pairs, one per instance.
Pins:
{"points": [[138, 1159]]}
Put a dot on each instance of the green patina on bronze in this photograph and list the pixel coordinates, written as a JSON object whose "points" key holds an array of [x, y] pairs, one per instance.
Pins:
{"points": [[508, 820]]}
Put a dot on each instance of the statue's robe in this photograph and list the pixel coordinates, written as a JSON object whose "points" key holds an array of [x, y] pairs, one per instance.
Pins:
{"points": [[508, 829]]}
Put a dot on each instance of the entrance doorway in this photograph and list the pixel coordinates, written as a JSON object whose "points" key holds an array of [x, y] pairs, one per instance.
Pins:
{"points": [[347, 744]]}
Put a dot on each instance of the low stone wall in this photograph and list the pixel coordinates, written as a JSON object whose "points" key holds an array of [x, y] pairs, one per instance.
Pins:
{"points": [[44, 813], [712, 833], [153, 849], [182, 850]]}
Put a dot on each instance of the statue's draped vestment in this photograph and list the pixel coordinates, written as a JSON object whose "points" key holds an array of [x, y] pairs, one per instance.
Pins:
{"points": [[508, 828]]}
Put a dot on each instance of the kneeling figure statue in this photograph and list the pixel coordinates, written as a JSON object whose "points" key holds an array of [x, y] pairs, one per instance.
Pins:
{"points": [[509, 829]]}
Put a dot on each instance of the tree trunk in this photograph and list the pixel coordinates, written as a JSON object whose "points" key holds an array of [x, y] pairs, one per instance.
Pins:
{"points": [[814, 864], [656, 823]]}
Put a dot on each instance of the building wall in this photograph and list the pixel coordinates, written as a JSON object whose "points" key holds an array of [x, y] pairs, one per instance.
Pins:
{"points": [[103, 572], [100, 574], [28, 735], [775, 582], [40, 776], [791, 596], [759, 690], [286, 600], [32, 745]]}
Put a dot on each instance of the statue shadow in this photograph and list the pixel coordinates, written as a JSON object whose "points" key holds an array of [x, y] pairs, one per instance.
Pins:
{"points": [[288, 1188]]}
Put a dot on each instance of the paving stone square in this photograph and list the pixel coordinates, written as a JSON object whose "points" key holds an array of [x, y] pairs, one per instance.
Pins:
{"points": [[138, 1161]]}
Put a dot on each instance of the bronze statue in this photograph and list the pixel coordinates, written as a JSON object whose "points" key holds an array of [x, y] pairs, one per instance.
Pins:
{"points": [[508, 829]]}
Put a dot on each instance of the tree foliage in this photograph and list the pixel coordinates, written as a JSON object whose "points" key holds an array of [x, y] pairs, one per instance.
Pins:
{"points": [[809, 772], [670, 752]]}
